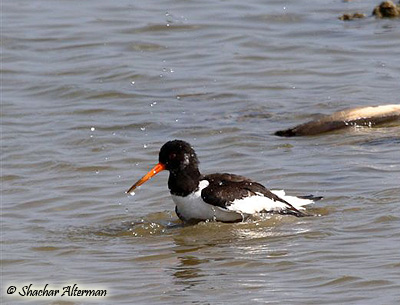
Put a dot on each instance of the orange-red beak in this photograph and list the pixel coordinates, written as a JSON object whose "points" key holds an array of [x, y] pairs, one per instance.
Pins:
{"points": [[154, 171]]}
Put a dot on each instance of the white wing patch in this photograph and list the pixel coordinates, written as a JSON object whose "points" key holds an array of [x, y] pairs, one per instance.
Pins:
{"points": [[256, 204], [260, 203]]}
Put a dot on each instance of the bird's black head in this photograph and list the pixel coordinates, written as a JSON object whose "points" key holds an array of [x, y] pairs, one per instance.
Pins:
{"points": [[179, 158], [178, 155]]}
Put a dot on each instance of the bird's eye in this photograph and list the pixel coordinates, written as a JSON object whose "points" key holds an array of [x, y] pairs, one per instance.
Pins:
{"points": [[172, 156]]}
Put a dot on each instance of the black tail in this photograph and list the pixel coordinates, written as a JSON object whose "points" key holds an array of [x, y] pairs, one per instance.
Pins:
{"points": [[294, 212]]}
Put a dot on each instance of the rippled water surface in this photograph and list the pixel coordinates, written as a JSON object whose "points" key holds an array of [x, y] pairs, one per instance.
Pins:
{"points": [[92, 89]]}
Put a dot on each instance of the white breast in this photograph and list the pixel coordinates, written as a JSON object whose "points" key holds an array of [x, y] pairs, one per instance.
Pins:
{"points": [[192, 207]]}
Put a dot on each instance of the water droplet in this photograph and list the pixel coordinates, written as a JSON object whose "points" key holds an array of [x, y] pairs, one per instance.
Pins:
{"points": [[144, 145], [92, 129]]}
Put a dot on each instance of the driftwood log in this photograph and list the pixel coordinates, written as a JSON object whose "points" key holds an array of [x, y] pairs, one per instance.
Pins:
{"points": [[362, 116]]}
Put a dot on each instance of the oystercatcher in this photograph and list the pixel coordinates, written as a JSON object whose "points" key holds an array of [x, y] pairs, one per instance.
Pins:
{"points": [[219, 197]]}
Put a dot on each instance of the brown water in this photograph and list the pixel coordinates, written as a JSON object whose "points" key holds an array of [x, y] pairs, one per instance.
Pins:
{"points": [[92, 89]]}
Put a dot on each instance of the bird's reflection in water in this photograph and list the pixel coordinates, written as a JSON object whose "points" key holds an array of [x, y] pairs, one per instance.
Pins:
{"points": [[230, 244], [188, 271], [199, 256]]}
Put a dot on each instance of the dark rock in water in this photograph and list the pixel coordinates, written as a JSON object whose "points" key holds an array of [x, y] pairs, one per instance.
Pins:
{"points": [[363, 116], [386, 9], [347, 17]]}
